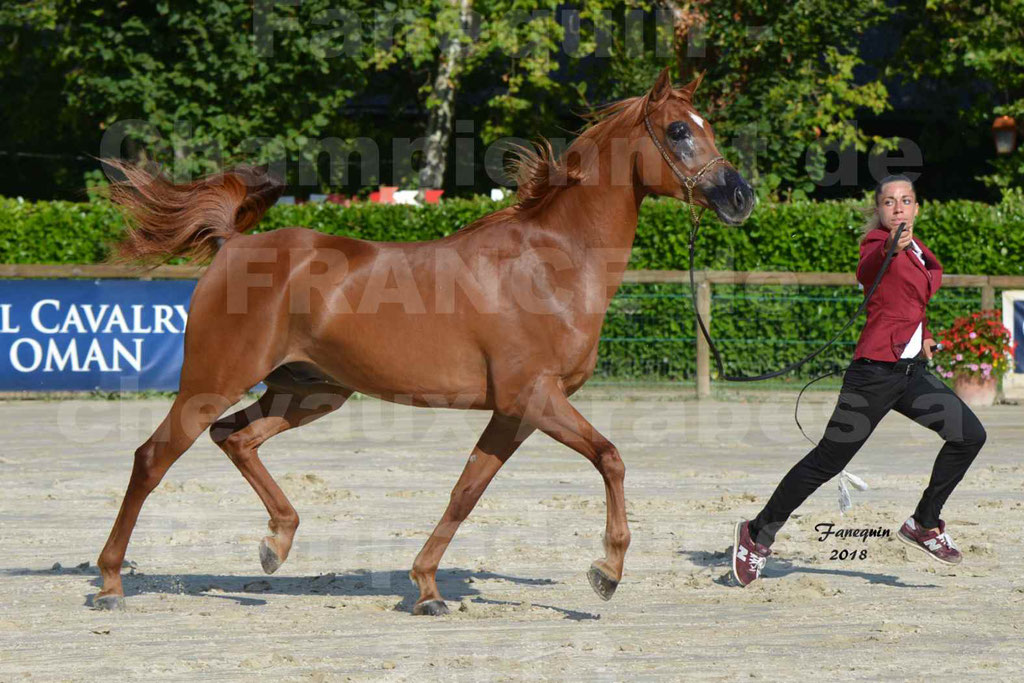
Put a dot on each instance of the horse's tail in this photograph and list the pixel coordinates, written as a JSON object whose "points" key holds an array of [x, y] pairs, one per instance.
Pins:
{"points": [[191, 219]]}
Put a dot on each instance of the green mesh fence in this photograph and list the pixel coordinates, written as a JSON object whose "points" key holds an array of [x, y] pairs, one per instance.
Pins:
{"points": [[650, 333]]}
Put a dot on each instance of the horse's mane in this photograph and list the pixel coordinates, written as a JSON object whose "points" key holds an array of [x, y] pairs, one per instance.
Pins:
{"points": [[540, 173]]}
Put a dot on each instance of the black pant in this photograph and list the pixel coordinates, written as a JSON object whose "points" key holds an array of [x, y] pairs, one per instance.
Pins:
{"points": [[870, 390]]}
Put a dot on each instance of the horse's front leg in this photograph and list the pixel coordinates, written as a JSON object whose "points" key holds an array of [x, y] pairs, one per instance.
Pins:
{"points": [[499, 441], [548, 409]]}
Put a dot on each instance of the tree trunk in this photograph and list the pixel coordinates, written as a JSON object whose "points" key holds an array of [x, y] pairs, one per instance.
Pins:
{"points": [[686, 15], [441, 120]]}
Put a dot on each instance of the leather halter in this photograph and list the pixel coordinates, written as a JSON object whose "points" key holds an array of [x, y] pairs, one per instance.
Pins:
{"points": [[689, 182]]}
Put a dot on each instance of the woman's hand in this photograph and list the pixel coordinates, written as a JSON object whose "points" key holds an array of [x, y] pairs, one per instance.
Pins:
{"points": [[927, 345], [908, 234]]}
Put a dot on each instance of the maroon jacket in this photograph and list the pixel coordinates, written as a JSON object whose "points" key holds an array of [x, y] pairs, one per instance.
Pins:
{"points": [[899, 302]]}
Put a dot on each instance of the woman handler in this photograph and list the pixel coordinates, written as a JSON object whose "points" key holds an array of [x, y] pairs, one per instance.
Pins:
{"points": [[886, 374]]}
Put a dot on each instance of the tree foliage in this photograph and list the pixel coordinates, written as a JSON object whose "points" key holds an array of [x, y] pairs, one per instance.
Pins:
{"points": [[972, 48], [779, 80], [208, 80], [215, 80]]}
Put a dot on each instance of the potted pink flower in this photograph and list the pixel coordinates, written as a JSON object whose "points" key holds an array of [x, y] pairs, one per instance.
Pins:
{"points": [[976, 353]]}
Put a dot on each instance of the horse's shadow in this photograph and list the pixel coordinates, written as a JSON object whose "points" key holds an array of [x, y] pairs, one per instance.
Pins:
{"points": [[455, 585], [776, 568]]}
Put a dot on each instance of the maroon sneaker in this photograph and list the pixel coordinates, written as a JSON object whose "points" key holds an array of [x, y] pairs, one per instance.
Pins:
{"points": [[748, 557], [936, 544]]}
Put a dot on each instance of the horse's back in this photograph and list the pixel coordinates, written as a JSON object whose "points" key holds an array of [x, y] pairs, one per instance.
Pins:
{"points": [[362, 312], [417, 320]]}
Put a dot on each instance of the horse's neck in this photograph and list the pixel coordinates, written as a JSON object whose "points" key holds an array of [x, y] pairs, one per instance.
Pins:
{"points": [[601, 221]]}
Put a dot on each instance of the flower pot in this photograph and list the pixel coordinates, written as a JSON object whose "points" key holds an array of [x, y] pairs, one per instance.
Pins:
{"points": [[975, 391]]}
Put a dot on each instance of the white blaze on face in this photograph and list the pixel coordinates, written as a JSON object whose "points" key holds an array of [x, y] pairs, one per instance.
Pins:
{"points": [[698, 120]]}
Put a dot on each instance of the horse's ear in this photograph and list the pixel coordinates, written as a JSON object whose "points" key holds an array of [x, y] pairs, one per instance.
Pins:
{"points": [[663, 86], [691, 87]]}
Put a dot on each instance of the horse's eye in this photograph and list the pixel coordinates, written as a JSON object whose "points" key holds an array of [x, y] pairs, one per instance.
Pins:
{"points": [[677, 130]]}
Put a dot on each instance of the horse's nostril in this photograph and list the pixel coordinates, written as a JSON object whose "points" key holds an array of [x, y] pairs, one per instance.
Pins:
{"points": [[737, 197]]}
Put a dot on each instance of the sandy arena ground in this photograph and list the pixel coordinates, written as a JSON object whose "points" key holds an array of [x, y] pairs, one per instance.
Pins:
{"points": [[370, 482]]}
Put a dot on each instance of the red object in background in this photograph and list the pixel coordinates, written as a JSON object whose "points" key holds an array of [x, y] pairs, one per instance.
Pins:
{"points": [[385, 195]]}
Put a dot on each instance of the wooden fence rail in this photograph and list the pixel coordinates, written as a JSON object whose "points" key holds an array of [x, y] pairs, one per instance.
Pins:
{"points": [[704, 279]]}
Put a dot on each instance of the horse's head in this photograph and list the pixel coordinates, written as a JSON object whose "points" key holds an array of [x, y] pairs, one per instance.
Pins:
{"points": [[677, 135]]}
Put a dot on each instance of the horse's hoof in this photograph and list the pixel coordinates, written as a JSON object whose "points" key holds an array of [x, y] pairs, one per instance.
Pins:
{"points": [[602, 584], [109, 602], [268, 558], [431, 608]]}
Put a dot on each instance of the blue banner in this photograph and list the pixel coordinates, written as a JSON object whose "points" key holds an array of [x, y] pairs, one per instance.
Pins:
{"points": [[1018, 335], [112, 335]]}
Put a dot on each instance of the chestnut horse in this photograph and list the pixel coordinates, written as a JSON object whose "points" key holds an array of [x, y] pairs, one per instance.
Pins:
{"points": [[503, 315]]}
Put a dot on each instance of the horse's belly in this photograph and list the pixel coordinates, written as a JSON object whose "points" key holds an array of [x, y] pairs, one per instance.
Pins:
{"points": [[405, 365]]}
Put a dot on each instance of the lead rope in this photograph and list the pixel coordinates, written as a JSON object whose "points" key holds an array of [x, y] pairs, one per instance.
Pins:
{"points": [[845, 501], [689, 182], [791, 366]]}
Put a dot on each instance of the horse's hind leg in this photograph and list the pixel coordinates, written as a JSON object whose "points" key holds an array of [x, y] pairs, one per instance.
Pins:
{"points": [[240, 436], [190, 414], [499, 441]]}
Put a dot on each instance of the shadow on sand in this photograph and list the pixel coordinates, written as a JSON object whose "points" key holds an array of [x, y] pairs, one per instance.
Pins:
{"points": [[455, 584], [777, 567]]}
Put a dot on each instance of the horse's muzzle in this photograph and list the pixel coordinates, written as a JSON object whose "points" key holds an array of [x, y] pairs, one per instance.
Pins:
{"points": [[730, 196]]}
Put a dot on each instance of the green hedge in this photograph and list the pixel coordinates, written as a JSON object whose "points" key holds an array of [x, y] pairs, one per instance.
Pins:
{"points": [[649, 332], [968, 237]]}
